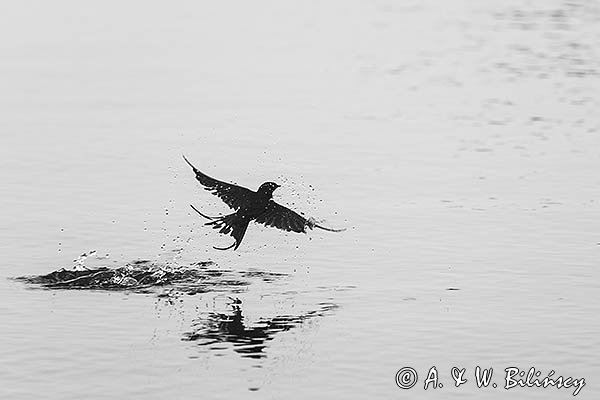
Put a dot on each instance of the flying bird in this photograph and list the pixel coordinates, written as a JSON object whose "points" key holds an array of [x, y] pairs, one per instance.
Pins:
{"points": [[250, 206]]}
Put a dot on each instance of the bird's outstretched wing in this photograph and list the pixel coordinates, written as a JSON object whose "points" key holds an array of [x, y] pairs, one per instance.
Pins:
{"points": [[283, 218], [233, 195]]}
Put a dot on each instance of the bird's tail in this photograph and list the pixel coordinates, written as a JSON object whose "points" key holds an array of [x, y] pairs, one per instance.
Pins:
{"points": [[202, 215], [231, 224]]}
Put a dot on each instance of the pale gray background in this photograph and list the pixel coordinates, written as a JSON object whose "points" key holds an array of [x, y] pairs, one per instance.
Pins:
{"points": [[457, 140]]}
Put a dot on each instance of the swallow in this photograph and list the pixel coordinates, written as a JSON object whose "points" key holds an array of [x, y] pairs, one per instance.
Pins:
{"points": [[250, 205]]}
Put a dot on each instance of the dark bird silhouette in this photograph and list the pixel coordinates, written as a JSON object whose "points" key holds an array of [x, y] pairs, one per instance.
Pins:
{"points": [[251, 206], [248, 340]]}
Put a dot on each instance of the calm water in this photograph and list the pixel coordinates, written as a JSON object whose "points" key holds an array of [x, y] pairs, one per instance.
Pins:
{"points": [[457, 141]]}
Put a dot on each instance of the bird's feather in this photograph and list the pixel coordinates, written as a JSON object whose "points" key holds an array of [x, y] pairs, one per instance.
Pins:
{"points": [[281, 217], [233, 195]]}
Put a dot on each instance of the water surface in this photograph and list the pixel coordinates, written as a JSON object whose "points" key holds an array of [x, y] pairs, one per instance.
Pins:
{"points": [[458, 143]]}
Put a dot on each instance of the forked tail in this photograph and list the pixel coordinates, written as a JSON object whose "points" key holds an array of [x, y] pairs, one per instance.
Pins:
{"points": [[232, 224]]}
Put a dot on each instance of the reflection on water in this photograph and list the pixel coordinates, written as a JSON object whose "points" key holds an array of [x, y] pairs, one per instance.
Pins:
{"points": [[247, 340], [144, 276], [460, 138]]}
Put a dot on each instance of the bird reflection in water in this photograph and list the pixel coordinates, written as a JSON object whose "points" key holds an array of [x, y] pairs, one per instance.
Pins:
{"points": [[248, 341]]}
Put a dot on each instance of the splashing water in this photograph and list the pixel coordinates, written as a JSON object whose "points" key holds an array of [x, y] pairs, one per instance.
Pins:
{"points": [[148, 276]]}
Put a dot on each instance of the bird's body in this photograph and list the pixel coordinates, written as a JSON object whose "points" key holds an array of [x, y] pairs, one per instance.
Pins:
{"points": [[250, 206]]}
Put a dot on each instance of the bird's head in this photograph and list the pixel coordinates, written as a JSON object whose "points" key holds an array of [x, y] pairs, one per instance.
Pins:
{"points": [[268, 188]]}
